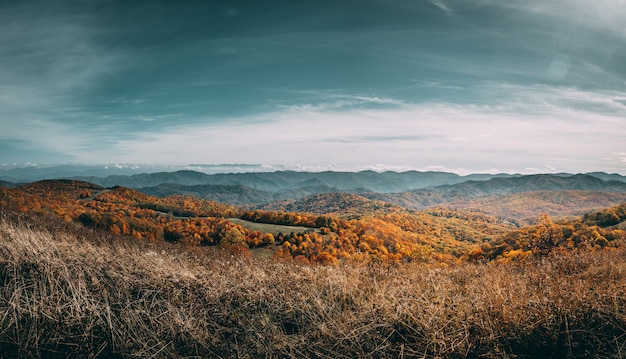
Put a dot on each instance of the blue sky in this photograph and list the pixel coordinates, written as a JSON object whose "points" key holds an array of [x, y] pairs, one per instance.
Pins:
{"points": [[467, 86]]}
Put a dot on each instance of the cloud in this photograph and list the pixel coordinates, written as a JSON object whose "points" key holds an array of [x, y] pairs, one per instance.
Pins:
{"points": [[437, 85], [442, 6], [599, 14], [566, 128], [548, 99], [328, 100], [531, 82], [356, 139], [470, 137], [46, 63]]}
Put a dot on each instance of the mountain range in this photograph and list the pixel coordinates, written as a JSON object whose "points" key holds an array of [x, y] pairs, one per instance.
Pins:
{"points": [[507, 195], [421, 198], [364, 181], [412, 190]]}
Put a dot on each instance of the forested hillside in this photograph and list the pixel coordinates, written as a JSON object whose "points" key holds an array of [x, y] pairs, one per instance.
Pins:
{"points": [[337, 227]]}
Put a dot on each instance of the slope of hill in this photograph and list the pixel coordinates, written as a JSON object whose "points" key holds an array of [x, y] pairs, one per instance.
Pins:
{"points": [[614, 216], [594, 231]]}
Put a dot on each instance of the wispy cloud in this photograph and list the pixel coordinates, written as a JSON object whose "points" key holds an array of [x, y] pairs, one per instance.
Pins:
{"points": [[46, 63], [476, 138], [600, 14], [330, 100], [442, 6], [475, 85], [557, 100]]}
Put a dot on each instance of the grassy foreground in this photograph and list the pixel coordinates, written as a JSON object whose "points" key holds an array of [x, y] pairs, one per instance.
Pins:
{"points": [[69, 292]]}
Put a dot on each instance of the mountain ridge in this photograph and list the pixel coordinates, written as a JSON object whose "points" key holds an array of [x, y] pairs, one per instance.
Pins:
{"points": [[280, 180], [384, 182], [421, 198]]}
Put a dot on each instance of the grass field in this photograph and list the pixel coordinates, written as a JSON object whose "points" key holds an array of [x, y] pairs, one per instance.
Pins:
{"points": [[271, 228], [70, 292]]}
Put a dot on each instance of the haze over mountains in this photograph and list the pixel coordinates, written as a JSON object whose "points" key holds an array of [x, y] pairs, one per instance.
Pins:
{"points": [[509, 196], [262, 187], [33, 172], [240, 188], [364, 181], [500, 186]]}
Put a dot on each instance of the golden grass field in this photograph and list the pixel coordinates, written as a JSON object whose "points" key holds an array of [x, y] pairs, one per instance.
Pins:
{"points": [[70, 292]]}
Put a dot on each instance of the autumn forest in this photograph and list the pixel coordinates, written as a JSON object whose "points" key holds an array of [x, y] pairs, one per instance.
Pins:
{"points": [[363, 230]]}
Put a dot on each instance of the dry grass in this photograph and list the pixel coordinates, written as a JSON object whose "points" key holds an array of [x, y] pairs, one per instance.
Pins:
{"points": [[69, 292]]}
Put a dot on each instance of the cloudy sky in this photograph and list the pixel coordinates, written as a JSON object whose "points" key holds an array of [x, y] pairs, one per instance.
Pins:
{"points": [[463, 85]]}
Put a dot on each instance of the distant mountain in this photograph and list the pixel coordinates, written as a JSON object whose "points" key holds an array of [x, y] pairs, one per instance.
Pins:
{"points": [[6, 184], [36, 173], [384, 182], [402, 181], [33, 172], [412, 189], [418, 189], [421, 198], [608, 177], [541, 182]]}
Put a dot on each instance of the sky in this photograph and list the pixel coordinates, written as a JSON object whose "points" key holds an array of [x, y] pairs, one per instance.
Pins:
{"points": [[524, 86]]}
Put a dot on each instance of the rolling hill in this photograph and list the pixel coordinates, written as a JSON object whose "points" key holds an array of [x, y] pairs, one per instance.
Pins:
{"points": [[469, 190], [367, 229], [257, 189], [344, 205]]}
